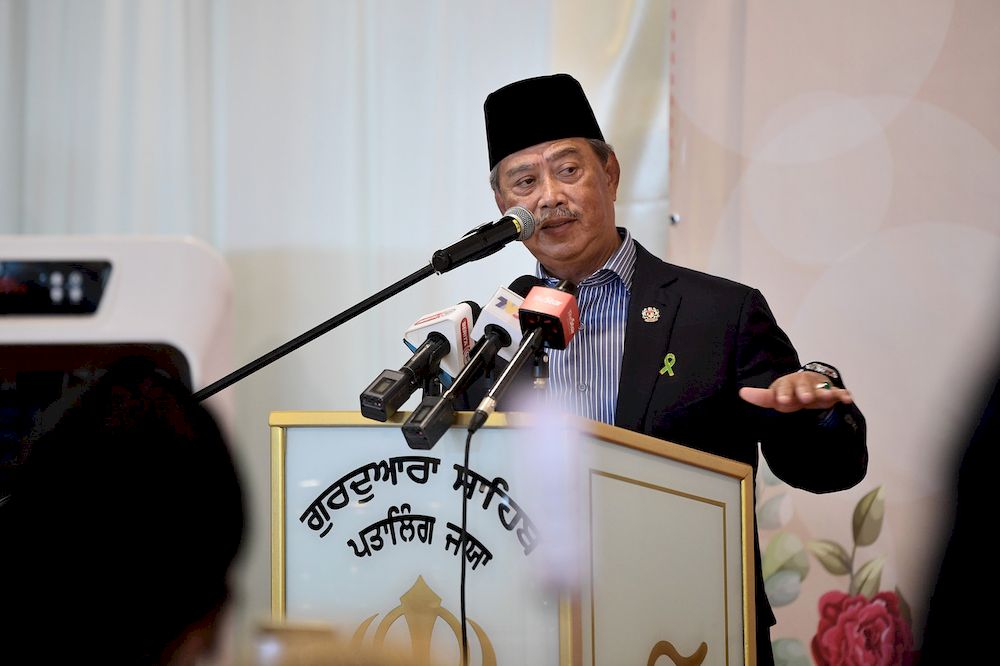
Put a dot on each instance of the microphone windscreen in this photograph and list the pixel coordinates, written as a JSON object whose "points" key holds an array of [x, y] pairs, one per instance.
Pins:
{"points": [[522, 285], [526, 219]]}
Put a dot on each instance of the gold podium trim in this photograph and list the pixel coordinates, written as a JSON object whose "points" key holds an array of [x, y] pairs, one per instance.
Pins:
{"points": [[278, 450]]}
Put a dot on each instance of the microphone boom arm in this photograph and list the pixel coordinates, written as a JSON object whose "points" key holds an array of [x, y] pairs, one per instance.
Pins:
{"points": [[315, 332]]}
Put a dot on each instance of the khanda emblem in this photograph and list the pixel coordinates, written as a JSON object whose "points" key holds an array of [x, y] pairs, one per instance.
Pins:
{"points": [[420, 608], [667, 649]]}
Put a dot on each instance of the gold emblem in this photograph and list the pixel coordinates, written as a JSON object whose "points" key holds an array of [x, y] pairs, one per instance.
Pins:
{"points": [[650, 315], [420, 607]]}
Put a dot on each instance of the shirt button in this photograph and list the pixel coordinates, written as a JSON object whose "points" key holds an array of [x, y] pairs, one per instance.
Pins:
{"points": [[582, 388]]}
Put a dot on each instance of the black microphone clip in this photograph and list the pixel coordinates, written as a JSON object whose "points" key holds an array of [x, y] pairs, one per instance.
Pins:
{"points": [[392, 388]]}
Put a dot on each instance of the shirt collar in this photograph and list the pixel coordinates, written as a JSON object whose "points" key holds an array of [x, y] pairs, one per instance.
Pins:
{"points": [[621, 264]]}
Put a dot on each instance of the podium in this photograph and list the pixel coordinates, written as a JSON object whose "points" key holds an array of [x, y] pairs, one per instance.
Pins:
{"points": [[586, 543]]}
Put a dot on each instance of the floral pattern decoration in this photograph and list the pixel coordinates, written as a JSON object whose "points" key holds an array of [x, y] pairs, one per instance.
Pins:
{"points": [[859, 626]]}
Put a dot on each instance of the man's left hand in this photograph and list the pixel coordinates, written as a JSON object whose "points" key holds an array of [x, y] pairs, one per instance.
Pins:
{"points": [[795, 391]]}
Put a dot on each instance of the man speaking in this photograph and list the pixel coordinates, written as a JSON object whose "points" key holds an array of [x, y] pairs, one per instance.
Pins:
{"points": [[662, 350]]}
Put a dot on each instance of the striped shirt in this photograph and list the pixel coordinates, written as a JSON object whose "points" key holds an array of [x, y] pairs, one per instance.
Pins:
{"points": [[583, 378]]}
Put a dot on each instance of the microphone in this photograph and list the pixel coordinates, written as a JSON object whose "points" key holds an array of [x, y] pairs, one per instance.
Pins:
{"points": [[499, 327], [502, 310], [446, 343], [455, 324], [549, 318], [516, 224]]}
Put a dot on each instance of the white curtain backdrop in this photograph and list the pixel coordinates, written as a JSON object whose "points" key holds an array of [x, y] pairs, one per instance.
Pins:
{"points": [[326, 149], [107, 118]]}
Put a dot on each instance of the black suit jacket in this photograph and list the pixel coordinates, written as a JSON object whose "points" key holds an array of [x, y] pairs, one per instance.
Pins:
{"points": [[723, 337]]}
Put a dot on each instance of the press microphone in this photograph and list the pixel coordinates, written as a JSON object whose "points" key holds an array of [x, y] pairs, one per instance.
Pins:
{"points": [[456, 325], [502, 310], [549, 318], [499, 327], [516, 224], [440, 341]]}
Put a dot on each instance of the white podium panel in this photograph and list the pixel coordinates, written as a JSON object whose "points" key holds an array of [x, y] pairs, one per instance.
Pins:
{"points": [[586, 544]]}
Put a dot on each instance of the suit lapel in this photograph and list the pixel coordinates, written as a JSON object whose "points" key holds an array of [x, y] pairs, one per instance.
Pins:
{"points": [[645, 341]]}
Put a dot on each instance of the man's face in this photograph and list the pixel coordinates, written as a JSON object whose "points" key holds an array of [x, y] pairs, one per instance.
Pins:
{"points": [[571, 195]]}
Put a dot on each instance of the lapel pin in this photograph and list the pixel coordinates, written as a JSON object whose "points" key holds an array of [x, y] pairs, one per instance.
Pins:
{"points": [[650, 315], [668, 364]]}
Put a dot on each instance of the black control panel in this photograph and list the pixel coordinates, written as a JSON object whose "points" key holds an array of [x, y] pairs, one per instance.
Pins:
{"points": [[61, 287]]}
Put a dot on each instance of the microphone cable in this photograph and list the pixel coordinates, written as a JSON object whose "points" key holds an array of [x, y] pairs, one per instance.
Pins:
{"points": [[522, 284], [461, 585]]}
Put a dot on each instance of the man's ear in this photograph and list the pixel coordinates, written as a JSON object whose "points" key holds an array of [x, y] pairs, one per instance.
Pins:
{"points": [[499, 200], [613, 171]]}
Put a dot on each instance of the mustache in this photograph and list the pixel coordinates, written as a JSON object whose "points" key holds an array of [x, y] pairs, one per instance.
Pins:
{"points": [[557, 212]]}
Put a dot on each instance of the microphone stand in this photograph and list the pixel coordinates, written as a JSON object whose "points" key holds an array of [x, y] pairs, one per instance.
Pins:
{"points": [[317, 331], [516, 224], [540, 370]]}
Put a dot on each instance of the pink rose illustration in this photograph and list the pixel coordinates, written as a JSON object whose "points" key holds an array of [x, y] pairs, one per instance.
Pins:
{"points": [[857, 631]]}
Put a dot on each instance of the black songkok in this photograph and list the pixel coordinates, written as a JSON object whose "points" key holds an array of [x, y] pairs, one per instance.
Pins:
{"points": [[533, 111]]}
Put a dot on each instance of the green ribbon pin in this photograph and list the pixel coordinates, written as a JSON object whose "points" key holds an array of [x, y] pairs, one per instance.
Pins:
{"points": [[668, 364]]}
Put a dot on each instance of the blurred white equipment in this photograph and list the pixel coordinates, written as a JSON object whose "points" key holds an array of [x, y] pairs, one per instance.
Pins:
{"points": [[69, 306]]}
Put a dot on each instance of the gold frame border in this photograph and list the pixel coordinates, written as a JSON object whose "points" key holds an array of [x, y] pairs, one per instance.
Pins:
{"points": [[749, 572], [677, 493], [714, 463], [278, 450], [279, 421]]}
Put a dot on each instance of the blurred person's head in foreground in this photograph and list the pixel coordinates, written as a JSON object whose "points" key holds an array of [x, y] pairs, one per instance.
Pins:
{"points": [[121, 531]]}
